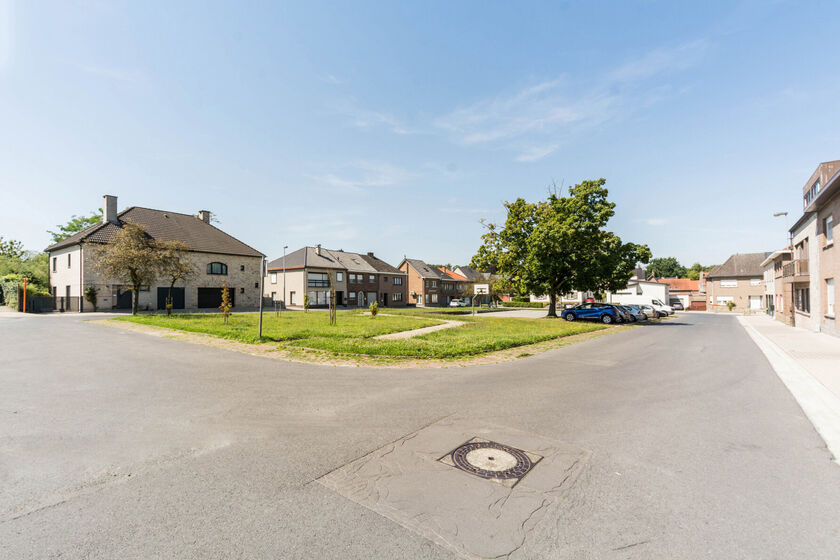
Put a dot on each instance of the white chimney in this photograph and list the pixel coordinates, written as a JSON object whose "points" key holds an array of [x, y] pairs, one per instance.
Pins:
{"points": [[318, 250], [204, 216], [109, 209]]}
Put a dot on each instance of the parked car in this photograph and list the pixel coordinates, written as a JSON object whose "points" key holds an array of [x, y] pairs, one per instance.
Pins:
{"points": [[650, 312], [626, 314], [676, 304], [661, 307], [603, 312], [459, 303], [636, 312]]}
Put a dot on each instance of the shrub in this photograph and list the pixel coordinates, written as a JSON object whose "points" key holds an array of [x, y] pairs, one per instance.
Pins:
{"points": [[306, 303], [226, 304], [527, 304], [521, 299], [90, 295], [374, 309], [731, 305]]}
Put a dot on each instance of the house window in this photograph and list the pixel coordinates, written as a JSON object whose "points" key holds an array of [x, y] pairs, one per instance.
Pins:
{"points": [[728, 283], [434, 298], [828, 227], [829, 297], [241, 290], [273, 296], [371, 278], [317, 280], [256, 285], [396, 297], [351, 295], [241, 267], [351, 278], [755, 282], [385, 279], [217, 268], [291, 298], [55, 263], [802, 300], [397, 281], [273, 277], [339, 277], [434, 283], [427, 298], [68, 259]]}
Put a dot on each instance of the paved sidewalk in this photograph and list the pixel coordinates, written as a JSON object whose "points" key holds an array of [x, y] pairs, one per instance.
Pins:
{"points": [[418, 332], [809, 364]]}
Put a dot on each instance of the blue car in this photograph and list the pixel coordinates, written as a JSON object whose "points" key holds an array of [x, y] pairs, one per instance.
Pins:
{"points": [[603, 312]]}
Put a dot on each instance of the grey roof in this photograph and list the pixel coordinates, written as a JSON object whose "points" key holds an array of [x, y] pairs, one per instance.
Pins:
{"points": [[471, 274], [740, 264], [353, 262], [307, 257], [380, 265], [426, 271], [164, 226]]}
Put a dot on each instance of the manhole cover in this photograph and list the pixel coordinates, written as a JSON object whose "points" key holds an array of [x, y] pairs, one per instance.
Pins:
{"points": [[492, 461]]}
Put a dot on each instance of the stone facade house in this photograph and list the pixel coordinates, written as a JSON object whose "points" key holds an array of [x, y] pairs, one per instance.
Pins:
{"points": [[740, 279], [217, 256]]}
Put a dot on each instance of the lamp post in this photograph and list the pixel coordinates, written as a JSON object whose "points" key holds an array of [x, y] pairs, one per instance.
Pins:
{"points": [[283, 303], [262, 277], [787, 236]]}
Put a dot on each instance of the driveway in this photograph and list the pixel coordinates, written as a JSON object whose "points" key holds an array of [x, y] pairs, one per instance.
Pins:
{"points": [[672, 441]]}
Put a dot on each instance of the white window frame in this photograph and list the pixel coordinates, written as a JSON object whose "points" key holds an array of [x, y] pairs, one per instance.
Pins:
{"points": [[339, 277], [434, 298], [397, 281], [729, 283], [829, 297], [755, 282], [829, 230], [273, 277]]}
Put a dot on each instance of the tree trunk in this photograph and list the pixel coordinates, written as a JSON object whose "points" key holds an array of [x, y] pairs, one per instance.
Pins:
{"points": [[169, 298], [552, 304], [135, 299]]}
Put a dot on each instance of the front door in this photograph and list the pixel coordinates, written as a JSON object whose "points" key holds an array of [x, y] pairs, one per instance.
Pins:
{"points": [[339, 298], [755, 302], [384, 300], [178, 298], [123, 299]]}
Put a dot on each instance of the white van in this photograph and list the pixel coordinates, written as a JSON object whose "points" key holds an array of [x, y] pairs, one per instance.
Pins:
{"points": [[659, 306]]}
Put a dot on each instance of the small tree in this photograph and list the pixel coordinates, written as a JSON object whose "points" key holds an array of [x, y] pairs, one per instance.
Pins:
{"points": [[91, 294], [175, 265], [730, 305], [333, 314], [226, 304], [374, 309], [132, 257], [305, 303]]}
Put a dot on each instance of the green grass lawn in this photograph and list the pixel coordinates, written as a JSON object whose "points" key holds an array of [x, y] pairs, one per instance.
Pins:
{"points": [[353, 335], [291, 325], [478, 336]]}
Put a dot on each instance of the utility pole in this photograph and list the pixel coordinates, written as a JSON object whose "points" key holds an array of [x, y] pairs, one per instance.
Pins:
{"points": [[262, 277], [283, 301]]}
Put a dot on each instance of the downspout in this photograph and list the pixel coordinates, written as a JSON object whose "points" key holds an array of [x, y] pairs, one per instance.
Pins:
{"points": [[81, 278]]}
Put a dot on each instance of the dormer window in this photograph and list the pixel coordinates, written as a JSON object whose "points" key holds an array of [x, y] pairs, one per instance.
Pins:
{"points": [[217, 268]]}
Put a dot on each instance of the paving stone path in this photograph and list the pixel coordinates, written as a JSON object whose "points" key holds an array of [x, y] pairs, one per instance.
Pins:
{"points": [[447, 324]]}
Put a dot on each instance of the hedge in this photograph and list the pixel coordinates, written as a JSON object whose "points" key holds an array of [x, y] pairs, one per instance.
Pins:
{"points": [[528, 304]]}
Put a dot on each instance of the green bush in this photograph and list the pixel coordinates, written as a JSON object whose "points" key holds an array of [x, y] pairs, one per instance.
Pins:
{"points": [[731, 305], [527, 304], [521, 299], [374, 309]]}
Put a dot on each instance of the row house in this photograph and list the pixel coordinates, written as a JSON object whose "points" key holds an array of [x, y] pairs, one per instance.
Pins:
{"points": [[430, 286], [356, 279], [809, 279], [220, 259], [740, 280]]}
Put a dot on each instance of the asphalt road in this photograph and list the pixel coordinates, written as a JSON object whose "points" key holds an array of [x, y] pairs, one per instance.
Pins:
{"points": [[121, 445]]}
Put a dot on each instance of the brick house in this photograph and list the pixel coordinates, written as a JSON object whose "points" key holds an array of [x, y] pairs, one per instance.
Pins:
{"points": [[358, 279], [810, 278], [429, 286], [740, 279], [684, 289], [217, 256], [777, 302]]}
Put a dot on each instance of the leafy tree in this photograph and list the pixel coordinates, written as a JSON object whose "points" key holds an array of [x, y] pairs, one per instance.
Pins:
{"points": [[694, 272], [559, 245], [374, 309], [12, 248], [226, 304], [132, 257], [91, 295], [175, 265], [75, 225], [666, 267]]}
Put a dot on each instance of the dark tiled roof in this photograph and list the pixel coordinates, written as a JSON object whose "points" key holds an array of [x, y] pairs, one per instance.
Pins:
{"points": [[353, 262], [426, 271], [470, 273], [380, 265], [308, 257], [739, 264], [165, 226]]}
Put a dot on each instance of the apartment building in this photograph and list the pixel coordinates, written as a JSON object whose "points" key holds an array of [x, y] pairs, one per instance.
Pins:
{"points": [[217, 256], [429, 286], [814, 270]]}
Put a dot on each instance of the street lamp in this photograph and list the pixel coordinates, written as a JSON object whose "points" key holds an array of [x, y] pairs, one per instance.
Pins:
{"points": [[262, 277], [283, 303], [788, 237]]}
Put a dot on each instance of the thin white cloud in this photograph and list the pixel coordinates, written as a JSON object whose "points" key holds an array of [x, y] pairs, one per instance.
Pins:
{"points": [[331, 79], [656, 221], [365, 174], [118, 74], [535, 153], [661, 60]]}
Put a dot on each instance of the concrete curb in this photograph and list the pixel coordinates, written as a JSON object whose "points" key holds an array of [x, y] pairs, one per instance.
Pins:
{"points": [[821, 406]]}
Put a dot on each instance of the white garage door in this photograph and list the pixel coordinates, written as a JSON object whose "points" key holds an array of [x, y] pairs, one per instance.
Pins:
{"points": [[755, 302]]}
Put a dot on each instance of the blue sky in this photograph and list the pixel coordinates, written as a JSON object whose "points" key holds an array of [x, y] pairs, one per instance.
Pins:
{"points": [[395, 127]]}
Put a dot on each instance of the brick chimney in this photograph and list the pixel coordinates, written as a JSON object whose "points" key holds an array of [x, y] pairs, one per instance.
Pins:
{"points": [[370, 254], [109, 209], [204, 216], [318, 250]]}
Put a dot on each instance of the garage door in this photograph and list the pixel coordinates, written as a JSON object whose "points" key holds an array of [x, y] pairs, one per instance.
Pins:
{"points": [[209, 298], [755, 302], [178, 298]]}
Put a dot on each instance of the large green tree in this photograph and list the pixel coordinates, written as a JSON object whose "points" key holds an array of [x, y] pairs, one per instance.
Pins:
{"points": [[560, 244], [666, 267], [694, 271], [75, 225]]}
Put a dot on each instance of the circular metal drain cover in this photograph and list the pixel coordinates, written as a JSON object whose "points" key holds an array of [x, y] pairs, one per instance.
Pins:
{"points": [[489, 459]]}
